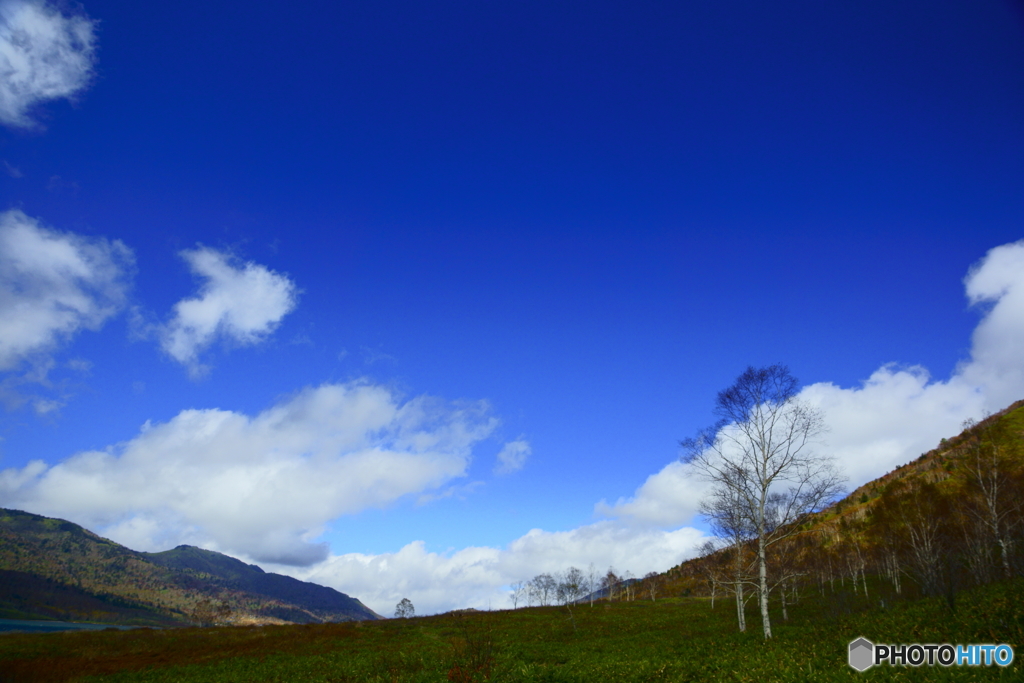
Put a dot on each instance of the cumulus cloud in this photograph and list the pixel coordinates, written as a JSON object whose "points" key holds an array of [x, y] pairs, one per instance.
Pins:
{"points": [[53, 285], [996, 368], [240, 303], [667, 498], [261, 486], [44, 55], [478, 576], [897, 413], [889, 419], [512, 456]]}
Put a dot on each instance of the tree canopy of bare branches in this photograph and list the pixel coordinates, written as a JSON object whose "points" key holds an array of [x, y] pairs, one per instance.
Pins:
{"points": [[572, 585], [991, 491], [760, 458], [404, 609]]}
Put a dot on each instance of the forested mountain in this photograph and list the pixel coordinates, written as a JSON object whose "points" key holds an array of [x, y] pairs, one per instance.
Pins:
{"points": [[952, 518], [53, 569]]}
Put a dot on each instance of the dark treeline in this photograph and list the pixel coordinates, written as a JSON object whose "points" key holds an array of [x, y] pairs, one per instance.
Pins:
{"points": [[948, 521]]}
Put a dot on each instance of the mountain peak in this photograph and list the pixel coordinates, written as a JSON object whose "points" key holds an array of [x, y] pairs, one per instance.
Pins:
{"points": [[138, 587]]}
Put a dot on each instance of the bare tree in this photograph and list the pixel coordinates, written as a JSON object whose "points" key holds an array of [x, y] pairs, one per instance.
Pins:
{"points": [[922, 519], [404, 609], [707, 566], [592, 582], [609, 581], [760, 455], [519, 589], [884, 534], [571, 586], [724, 510], [992, 499], [629, 585], [652, 582], [544, 588]]}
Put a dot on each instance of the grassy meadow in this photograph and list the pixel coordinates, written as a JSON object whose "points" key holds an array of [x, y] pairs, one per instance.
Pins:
{"points": [[672, 639]]}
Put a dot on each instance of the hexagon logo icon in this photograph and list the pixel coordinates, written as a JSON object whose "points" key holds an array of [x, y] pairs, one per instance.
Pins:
{"points": [[862, 654]]}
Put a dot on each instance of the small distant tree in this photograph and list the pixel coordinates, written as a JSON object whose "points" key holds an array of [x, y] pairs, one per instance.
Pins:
{"points": [[629, 585], [519, 589], [224, 612], [208, 613], [652, 582], [609, 581], [571, 586], [404, 609], [202, 613], [591, 582], [544, 588], [708, 568]]}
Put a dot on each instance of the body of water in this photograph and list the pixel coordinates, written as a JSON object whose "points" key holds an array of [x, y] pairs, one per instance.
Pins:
{"points": [[25, 626]]}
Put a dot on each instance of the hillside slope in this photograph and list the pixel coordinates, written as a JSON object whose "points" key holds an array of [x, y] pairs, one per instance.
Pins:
{"points": [[51, 568], [234, 575], [951, 518]]}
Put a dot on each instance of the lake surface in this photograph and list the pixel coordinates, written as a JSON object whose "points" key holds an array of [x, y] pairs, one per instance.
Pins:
{"points": [[20, 626]]}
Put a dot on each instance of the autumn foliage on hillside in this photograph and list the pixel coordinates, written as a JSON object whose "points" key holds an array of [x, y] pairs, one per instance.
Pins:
{"points": [[950, 520]]}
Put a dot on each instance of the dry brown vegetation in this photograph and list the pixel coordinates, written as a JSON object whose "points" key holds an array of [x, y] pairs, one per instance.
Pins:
{"points": [[951, 519]]}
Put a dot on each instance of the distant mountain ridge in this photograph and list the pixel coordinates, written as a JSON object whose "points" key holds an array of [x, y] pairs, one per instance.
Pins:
{"points": [[54, 569], [235, 575]]}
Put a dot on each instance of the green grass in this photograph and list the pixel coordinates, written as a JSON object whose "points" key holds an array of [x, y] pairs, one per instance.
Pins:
{"points": [[670, 640]]}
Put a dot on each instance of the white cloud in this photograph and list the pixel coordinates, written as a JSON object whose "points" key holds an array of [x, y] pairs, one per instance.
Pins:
{"points": [[53, 285], [893, 417], [899, 413], [239, 303], [996, 368], [371, 356], [513, 456], [261, 486], [668, 498], [44, 55], [889, 419], [478, 576]]}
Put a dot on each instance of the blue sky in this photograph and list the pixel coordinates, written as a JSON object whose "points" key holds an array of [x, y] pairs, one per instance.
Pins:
{"points": [[417, 300]]}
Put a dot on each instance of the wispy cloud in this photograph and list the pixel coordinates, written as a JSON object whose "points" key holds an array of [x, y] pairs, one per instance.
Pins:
{"points": [[512, 457], [372, 355], [459, 492], [45, 55], [58, 185], [262, 486], [240, 303], [12, 171]]}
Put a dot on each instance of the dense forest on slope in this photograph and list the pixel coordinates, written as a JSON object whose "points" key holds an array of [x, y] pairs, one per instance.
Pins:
{"points": [[53, 569]]}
